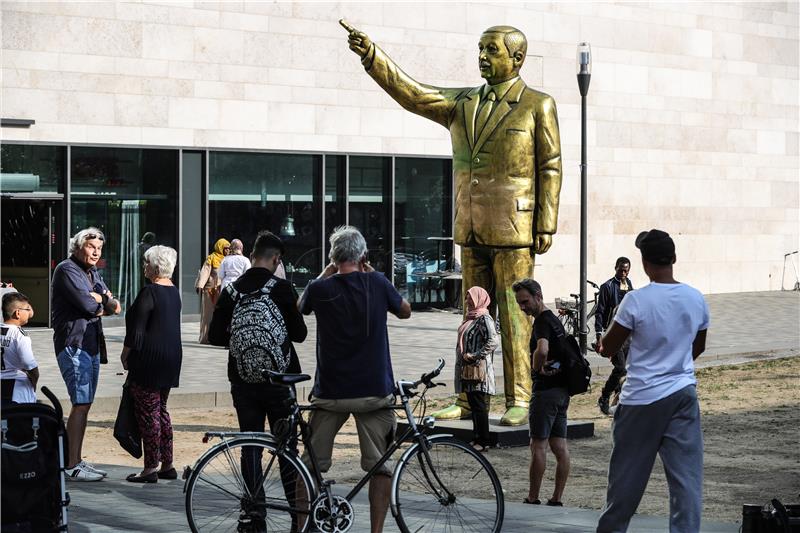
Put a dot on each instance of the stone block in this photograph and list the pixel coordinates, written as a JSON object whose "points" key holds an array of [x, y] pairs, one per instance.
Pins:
{"points": [[193, 113], [103, 134], [244, 115], [86, 108], [163, 41], [167, 136], [140, 110], [291, 118], [338, 120], [193, 70], [771, 142], [219, 46], [218, 90]]}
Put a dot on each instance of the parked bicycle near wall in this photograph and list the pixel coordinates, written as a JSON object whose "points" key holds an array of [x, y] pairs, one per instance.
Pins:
{"points": [[439, 483], [569, 310]]}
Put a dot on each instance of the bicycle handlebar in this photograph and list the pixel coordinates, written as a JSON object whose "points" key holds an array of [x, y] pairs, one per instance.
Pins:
{"points": [[426, 378]]}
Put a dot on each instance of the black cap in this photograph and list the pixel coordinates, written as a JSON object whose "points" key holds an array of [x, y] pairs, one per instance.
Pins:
{"points": [[657, 246]]}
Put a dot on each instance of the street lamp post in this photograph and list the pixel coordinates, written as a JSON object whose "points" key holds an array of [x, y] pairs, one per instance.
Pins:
{"points": [[584, 57]]}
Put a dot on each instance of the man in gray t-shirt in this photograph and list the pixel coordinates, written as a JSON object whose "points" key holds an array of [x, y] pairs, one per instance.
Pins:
{"points": [[658, 411]]}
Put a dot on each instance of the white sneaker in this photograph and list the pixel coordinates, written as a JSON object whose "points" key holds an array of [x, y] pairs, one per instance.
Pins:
{"points": [[91, 468], [81, 473]]}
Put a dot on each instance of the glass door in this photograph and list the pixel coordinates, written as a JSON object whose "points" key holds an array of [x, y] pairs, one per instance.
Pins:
{"points": [[32, 245]]}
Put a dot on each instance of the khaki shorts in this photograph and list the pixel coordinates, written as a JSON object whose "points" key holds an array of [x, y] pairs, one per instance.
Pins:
{"points": [[376, 426]]}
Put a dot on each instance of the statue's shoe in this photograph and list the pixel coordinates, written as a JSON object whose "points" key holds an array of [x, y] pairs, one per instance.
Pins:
{"points": [[515, 416], [454, 412]]}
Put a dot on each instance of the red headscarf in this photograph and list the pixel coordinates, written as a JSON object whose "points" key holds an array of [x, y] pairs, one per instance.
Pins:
{"points": [[477, 306]]}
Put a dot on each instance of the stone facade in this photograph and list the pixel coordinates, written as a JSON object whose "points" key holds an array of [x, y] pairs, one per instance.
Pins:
{"points": [[693, 107]]}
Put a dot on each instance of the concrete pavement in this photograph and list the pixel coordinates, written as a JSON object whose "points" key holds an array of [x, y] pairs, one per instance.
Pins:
{"points": [[114, 505]]}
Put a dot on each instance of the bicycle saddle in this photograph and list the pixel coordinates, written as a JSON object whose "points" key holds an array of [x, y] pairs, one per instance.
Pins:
{"points": [[287, 379]]}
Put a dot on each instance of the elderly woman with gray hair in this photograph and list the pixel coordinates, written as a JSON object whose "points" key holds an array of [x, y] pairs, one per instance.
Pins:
{"points": [[152, 355]]}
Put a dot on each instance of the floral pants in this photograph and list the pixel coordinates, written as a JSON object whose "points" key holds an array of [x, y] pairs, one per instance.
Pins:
{"points": [[154, 424]]}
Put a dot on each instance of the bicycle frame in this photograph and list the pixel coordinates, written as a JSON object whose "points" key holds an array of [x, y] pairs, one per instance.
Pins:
{"points": [[411, 433]]}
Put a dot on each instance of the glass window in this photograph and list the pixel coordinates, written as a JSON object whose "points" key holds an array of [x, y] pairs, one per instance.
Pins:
{"points": [[370, 207], [131, 195], [32, 168], [423, 228], [251, 192], [335, 179], [192, 251]]}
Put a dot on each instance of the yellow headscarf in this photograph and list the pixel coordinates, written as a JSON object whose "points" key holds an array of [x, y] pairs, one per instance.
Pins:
{"points": [[216, 257]]}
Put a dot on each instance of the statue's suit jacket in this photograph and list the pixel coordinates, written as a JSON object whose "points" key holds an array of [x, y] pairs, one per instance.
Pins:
{"points": [[508, 181]]}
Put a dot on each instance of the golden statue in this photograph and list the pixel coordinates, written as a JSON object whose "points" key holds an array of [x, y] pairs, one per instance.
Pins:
{"points": [[507, 167]]}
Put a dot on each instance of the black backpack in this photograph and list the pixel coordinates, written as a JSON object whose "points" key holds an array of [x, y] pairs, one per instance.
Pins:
{"points": [[573, 364], [258, 332]]}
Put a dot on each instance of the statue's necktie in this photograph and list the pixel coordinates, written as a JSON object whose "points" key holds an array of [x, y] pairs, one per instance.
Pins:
{"points": [[483, 113]]}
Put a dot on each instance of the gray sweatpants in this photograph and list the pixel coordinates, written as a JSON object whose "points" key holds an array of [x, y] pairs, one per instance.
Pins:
{"points": [[671, 428]]}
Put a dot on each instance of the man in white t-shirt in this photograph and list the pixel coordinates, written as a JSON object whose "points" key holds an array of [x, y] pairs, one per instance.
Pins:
{"points": [[20, 371], [658, 412], [234, 264]]}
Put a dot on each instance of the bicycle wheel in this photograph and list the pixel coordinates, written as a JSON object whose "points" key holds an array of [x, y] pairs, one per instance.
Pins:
{"points": [[569, 320], [244, 485], [455, 490]]}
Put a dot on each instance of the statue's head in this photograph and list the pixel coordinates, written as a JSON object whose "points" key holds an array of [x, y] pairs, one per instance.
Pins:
{"points": [[501, 52]]}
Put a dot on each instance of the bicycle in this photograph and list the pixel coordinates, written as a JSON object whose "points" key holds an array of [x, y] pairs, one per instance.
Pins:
{"points": [[569, 311], [439, 483]]}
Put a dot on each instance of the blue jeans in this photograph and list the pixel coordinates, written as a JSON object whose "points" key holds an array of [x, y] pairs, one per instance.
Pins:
{"points": [[81, 372]]}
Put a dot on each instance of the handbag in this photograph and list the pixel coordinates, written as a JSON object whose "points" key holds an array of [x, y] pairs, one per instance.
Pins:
{"points": [[126, 428], [474, 371]]}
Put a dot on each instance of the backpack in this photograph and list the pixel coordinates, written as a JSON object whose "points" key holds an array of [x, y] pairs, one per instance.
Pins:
{"points": [[573, 363], [258, 332]]}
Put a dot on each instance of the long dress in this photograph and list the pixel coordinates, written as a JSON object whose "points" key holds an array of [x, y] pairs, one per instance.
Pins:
{"points": [[209, 284]]}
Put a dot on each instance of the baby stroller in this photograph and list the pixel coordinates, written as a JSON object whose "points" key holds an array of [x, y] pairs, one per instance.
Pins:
{"points": [[34, 448]]}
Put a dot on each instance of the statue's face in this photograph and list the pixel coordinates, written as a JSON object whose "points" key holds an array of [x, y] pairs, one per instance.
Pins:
{"points": [[494, 61]]}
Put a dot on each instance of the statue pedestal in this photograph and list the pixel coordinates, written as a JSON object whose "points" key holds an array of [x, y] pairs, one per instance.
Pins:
{"points": [[502, 436]]}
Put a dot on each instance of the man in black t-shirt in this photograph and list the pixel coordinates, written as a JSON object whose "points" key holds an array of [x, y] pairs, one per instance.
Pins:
{"points": [[550, 399]]}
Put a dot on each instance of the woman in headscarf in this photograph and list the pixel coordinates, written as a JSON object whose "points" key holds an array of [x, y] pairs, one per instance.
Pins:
{"points": [[208, 283], [477, 340]]}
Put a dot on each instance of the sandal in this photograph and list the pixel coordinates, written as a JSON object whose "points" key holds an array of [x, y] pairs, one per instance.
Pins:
{"points": [[551, 503], [480, 448], [533, 502], [168, 474], [149, 478]]}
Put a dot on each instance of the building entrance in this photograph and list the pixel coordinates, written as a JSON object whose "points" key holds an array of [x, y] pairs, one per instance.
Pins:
{"points": [[32, 245]]}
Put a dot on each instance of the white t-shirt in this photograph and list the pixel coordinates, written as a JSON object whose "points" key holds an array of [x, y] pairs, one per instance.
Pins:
{"points": [[17, 356], [664, 319], [231, 268]]}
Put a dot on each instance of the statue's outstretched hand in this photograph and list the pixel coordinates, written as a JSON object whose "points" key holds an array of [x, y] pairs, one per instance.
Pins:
{"points": [[542, 243], [358, 41]]}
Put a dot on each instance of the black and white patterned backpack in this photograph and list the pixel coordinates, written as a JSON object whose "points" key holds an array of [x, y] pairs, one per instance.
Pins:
{"points": [[257, 333]]}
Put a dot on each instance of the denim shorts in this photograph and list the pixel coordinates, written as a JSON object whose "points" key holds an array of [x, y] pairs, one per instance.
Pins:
{"points": [[81, 372]]}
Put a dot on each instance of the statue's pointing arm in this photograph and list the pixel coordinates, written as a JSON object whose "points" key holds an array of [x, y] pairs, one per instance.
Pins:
{"points": [[434, 103]]}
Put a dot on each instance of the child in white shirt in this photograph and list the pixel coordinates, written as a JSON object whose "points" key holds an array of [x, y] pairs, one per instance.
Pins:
{"points": [[20, 371]]}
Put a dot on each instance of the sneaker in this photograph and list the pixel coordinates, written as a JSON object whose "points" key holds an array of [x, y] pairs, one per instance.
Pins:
{"points": [[81, 473], [602, 403], [91, 468]]}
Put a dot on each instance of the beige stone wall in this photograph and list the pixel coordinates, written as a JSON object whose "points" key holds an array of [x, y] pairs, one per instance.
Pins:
{"points": [[693, 117]]}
